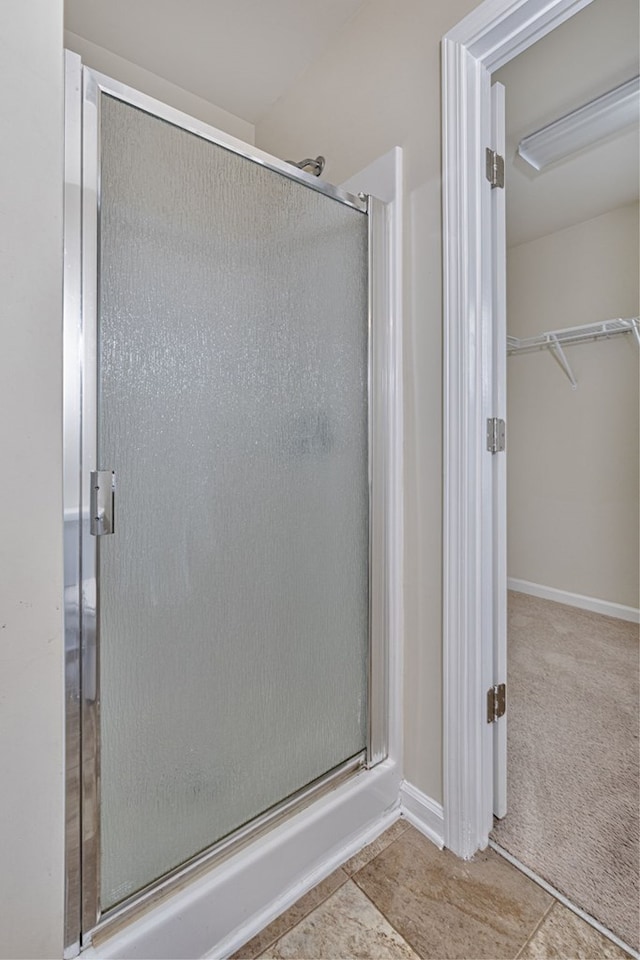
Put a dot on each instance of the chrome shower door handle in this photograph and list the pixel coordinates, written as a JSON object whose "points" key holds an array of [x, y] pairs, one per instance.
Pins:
{"points": [[102, 502]]}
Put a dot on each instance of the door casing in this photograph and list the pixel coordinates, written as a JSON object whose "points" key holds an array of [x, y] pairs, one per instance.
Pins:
{"points": [[490, 36]]}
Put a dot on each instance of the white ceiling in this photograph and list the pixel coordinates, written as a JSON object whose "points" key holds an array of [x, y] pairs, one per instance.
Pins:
{"points": [[239, 54], [588, 55]]}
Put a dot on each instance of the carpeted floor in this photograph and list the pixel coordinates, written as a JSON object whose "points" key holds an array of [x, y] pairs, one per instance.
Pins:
{"points": [[573, 789]]}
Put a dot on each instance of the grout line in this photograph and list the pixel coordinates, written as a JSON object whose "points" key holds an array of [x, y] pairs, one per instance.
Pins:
{"points": [[402, 936], [288, 930], [536, 928], [564, 900], [347, 878], [351, 875]]}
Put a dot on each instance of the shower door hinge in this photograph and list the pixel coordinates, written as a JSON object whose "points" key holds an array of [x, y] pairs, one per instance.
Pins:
{"points": [[495, 168], [102, 502], [496, 702], [496, 442]]}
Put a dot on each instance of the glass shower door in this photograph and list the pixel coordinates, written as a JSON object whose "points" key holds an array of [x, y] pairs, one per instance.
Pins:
{"points": [[233, 593]]}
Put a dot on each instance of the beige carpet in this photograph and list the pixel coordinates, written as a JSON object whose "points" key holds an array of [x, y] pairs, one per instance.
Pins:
{"points": [[573, 782]]}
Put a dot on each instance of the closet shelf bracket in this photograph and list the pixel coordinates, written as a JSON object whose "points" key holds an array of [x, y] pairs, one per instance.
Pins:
{"points": [[561, 357], [555, 339]]}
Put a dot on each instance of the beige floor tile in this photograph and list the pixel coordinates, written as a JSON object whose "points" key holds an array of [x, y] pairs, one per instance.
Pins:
{"points": [[345, 926], [564, 936], [300, 909], [450, 908], [372, 850]]}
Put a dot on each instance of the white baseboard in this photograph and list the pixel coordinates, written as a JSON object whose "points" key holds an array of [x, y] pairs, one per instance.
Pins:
{"points": [[592, 604], [425, 814], [216, 913]]}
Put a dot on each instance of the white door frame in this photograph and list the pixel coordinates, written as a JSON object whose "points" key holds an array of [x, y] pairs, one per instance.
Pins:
{"points": [[492, 34]]}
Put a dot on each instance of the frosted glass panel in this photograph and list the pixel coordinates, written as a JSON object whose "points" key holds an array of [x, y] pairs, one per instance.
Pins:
{"points": [[233, 596]]}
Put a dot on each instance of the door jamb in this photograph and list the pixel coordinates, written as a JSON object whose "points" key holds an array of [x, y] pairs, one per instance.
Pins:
{"points": [[490, 36]]}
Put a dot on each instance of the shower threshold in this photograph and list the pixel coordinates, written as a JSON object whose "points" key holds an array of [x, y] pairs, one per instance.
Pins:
{"points": [[128, 910]]}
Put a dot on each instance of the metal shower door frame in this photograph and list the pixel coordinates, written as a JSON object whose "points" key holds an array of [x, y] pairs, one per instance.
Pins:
{"points": [[84, 87]]}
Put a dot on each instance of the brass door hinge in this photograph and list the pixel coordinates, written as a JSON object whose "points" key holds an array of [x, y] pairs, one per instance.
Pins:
{"points": [[495, 168], [496, 431], [496, 702]]}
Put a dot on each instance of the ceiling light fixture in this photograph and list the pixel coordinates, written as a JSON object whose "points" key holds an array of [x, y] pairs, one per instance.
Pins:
{"points": [[608, 114]]}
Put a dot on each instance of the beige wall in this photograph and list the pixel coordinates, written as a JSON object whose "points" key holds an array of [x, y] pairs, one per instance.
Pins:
{"points": [[31, 647], [143, 80], [379, 86], [573, 455], [376, 87]]}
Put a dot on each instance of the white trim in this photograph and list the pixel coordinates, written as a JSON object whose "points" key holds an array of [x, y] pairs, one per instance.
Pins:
{"points": [[488, 38], [216, 913], [384, 179], [499, 462], [466, 627], [606, 607], [498, 30], [72, 523], [563, 900], [425, 814]]}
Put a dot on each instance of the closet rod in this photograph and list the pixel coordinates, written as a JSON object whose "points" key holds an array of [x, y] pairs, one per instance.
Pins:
{"points": [[553, 340]]}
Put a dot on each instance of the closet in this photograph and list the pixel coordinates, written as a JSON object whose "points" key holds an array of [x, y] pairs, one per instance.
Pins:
{"points": [[573, 485]]}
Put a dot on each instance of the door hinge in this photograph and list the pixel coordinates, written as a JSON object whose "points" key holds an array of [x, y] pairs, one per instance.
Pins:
{"points": [[496, 442], [101, 502], [496, 702], [495, 168]]}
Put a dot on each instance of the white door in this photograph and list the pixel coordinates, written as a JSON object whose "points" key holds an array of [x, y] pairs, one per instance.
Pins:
{"points": [[499, 462]]}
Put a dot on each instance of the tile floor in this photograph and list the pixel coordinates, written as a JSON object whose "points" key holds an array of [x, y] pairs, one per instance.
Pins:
{"points": [[401, 897]]}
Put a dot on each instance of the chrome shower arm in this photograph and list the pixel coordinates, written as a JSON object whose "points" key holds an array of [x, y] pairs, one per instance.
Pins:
{"points": [[317, 165]]}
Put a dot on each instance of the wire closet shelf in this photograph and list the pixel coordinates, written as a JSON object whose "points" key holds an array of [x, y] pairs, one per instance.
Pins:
{"points": [[554, 340]]}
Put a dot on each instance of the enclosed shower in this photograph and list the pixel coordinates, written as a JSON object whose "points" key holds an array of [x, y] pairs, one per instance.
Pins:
{"points": [[225, 646]]}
